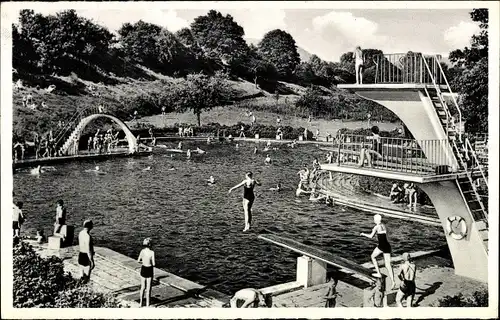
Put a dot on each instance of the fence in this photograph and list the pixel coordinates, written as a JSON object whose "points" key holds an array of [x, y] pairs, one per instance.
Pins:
{"points": [[394, 154], [407, 68]]}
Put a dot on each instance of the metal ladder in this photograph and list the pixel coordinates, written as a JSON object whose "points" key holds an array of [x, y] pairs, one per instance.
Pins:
{"points": [[461, 149], [73, 126]]}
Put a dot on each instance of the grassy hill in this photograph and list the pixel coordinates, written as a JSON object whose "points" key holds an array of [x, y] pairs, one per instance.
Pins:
{"points": [[114, 92]]}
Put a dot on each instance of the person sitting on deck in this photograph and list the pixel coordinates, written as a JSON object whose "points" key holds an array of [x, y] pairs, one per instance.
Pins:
{"points": [[181, 131], [407, 276], [249, 298], [397, 194], [374, 148]]}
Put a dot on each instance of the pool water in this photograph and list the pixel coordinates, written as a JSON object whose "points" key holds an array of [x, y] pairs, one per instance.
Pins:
{"points": [[196, 227]]}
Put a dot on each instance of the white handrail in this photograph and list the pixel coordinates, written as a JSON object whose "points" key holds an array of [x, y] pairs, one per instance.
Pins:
{"points": [[476, 194], [443, 103], [467, 143], [453, 98]]}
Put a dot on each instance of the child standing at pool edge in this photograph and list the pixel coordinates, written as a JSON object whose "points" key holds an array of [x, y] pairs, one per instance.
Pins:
{"points": [[147, 257]]}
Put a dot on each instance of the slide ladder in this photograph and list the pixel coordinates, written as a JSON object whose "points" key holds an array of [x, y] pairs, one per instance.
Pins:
{"points": [[72, 130]]}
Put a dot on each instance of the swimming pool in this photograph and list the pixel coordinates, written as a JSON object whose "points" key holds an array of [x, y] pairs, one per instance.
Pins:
{"points": [[197, 228]]}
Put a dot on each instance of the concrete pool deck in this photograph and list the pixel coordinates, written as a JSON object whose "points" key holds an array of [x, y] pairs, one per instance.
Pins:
{"points": [[119, 275], [435, 279]]}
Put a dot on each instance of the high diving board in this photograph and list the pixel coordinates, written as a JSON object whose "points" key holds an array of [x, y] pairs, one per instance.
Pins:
{"points": [[321, 255]]}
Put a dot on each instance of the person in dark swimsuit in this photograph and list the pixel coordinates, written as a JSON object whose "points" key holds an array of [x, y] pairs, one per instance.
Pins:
{"points": [[407, 276], [383, 247], [248, 197], [147, 257]]}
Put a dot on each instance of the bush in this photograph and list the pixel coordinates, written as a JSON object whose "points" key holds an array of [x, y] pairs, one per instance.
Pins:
{"points": [[41, 283], [477, 299], [85, 297]]}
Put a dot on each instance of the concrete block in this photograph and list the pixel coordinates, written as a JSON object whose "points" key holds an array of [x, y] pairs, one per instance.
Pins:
{"points": [[257, 136], [310, 272], [55, 242], [68, 233]]}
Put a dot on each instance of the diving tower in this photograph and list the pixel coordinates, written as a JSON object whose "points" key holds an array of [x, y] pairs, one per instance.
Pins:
{"points": [[440, 159]]}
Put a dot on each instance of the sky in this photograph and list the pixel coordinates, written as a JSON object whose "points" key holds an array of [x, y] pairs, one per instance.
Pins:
{"points": [[325, 32]]}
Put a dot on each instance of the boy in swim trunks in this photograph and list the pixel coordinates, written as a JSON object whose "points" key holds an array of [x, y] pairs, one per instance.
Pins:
{"points": [[17, 219], [147, 257], [86, 255]]}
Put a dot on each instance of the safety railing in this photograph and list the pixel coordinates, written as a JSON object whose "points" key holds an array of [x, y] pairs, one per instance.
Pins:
{"points": [[424, 157], [72, 123], [436, 81], [475, 162], [406, 68]]}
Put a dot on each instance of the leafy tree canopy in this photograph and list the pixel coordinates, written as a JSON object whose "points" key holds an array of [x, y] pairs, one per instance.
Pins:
{"points": [[279, 48], [470, 68], [220, 37]]}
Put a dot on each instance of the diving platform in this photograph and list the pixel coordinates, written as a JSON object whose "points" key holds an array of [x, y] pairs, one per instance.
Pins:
{"points": [[440, 158], [394, 174]]}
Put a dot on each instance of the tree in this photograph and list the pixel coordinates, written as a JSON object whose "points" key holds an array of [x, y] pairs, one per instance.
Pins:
{"points": [[139, 42], [200, 93], [58, 40], [220, 37], [279, 48], [312, 101], [471, 67]]}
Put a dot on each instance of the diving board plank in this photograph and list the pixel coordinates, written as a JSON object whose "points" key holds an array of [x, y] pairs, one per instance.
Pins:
{"points": [[317, 254]]}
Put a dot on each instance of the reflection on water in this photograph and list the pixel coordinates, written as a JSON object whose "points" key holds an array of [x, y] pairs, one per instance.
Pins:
{"points": [[196, 228]]}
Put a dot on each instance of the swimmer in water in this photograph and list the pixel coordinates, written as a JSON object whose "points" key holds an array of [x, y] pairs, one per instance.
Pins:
{"points": [[268, 160], [316, 196], [268, 143], [211, 180], [147, 168], [248, 197], [36, 170], [277, 188], [237, 146], [171, 168], [255, 150], [198, 150]]}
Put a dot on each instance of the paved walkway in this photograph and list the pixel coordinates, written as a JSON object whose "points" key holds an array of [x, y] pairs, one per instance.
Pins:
{"points": [[435, 279], [119, 275]]}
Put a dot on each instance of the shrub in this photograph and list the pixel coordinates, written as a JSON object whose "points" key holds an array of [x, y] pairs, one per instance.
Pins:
{"points": [[477, 299], [85, 297], [37, 281], [41, 282]]}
